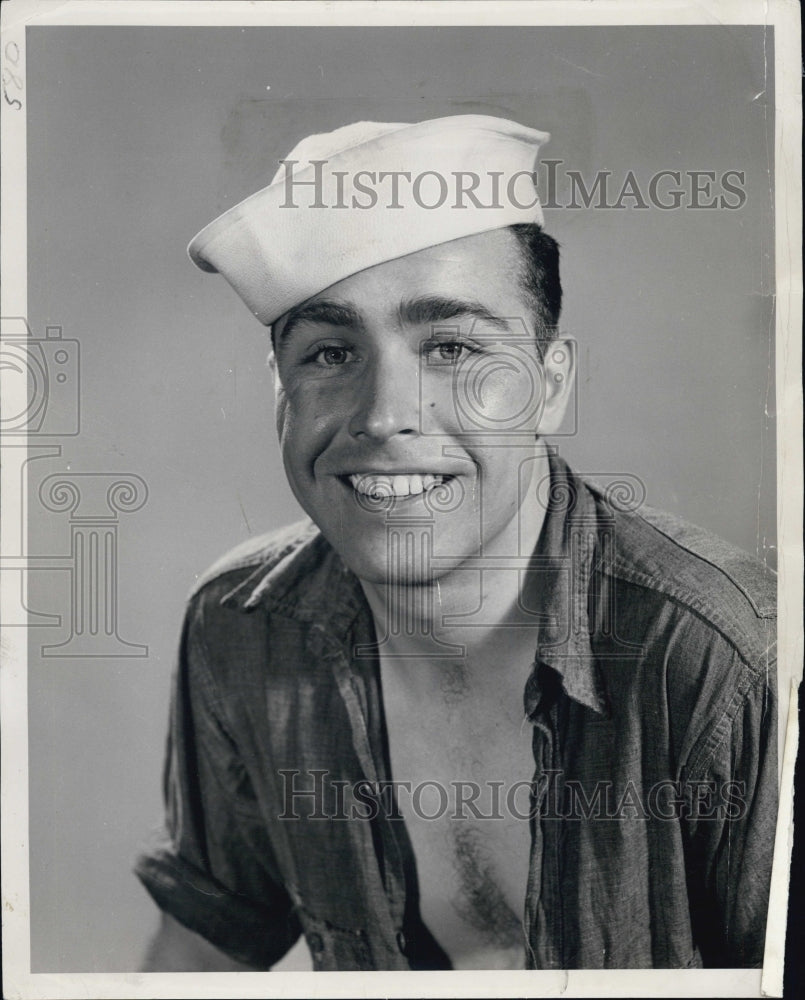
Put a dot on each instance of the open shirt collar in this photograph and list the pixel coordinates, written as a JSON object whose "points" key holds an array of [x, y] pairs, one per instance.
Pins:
{"points": [[311, 584]]}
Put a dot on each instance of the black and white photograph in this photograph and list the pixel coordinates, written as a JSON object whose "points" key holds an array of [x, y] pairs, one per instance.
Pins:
{"points": [[402, 498]]}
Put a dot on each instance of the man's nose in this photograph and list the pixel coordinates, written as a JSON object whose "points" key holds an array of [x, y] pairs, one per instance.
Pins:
{"points": [[387, 401]]}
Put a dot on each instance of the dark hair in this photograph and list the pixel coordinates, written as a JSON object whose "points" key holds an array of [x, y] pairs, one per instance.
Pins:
{"points": [[540, 276]]}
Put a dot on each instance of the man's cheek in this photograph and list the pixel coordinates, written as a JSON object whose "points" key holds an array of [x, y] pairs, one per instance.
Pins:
{"points": [[290, 431], [293, 408], [305, 423]]}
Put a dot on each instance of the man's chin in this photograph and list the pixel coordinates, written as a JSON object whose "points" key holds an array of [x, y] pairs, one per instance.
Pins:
{"points": [[404, 553], [398, 570]]}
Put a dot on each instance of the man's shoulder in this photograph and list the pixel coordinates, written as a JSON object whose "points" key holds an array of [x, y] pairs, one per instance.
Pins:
{"points": [[255, 557], [708, 579]]}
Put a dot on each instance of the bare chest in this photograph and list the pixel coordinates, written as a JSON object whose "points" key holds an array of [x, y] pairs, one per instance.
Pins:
{"points": [[465, 765]]}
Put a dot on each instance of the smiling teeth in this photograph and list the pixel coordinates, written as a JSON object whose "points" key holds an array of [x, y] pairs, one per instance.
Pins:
{"points": [[394, 486]]}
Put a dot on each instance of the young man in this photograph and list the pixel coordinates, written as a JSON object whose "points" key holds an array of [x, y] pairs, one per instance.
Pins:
{"points": [[478, 713]]}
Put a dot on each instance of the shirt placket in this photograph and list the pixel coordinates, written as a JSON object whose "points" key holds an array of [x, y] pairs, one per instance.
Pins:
{"points": [[387, 936], [542, 921]]}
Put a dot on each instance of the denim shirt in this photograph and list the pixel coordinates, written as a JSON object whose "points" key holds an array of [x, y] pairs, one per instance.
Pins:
{"points": [[653, 711]]}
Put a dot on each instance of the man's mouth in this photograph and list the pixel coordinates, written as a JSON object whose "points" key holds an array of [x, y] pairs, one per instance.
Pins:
{"points": [[401, 485]]}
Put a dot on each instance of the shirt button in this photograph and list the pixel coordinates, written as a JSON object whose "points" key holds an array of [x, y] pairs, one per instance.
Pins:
{"points": [[315, 943], [401, 942]]}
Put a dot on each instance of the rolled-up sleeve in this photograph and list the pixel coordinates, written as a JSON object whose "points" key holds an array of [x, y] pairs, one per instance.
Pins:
{"points": [[212, 866]]}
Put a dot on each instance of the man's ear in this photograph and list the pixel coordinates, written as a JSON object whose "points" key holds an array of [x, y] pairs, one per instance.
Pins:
{"points": [[273, 367], [559, 366]]}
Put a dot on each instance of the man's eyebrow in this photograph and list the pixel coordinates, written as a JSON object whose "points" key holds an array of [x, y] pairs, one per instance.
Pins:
{"points": [[322, 311], [436, 309]]}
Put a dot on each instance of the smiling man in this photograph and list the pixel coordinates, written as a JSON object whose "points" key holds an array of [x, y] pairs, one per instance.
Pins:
{"points": [[476, 712]]}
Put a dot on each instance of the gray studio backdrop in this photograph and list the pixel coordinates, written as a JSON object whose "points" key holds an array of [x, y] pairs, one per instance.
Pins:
{"points": [[136, 138]]}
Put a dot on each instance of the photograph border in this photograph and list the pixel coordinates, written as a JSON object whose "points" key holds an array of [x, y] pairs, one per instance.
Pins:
{"points": [[783, 14]]}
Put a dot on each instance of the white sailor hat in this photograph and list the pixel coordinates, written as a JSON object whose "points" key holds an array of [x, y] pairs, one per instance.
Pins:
{"points": [[368, 193]]}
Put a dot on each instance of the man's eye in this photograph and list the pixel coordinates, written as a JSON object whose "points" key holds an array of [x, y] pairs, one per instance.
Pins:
{"points": [[449, 352], [330, 355]]}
